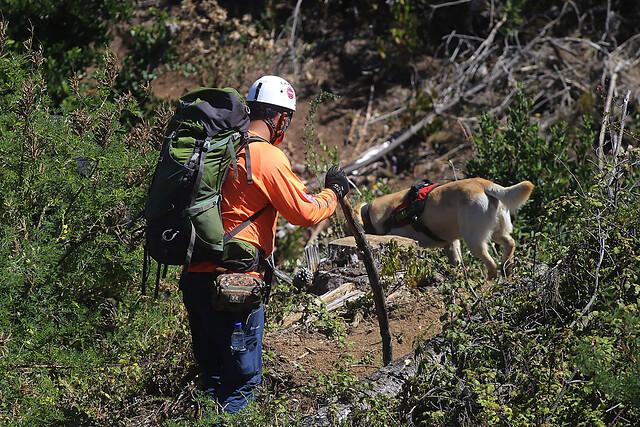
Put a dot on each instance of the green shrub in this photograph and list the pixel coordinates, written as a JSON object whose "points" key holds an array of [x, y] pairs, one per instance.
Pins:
{"points": [[515, 151], [69, 31], [558, 343], [77, 341], [150, 47]]}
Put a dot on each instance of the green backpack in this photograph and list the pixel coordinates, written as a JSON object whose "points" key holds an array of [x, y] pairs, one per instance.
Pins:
{"points": [[184, 221]]}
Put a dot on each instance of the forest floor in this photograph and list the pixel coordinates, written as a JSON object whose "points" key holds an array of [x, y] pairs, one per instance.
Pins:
{"points": [[298, 351], [296, 355]]}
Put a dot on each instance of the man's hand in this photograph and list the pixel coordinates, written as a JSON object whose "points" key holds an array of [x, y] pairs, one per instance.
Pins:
{"points": [[336, 180]]}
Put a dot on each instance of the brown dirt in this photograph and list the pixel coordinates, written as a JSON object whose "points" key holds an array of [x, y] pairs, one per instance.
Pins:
{"points": [[171, 85], [300, 355]]}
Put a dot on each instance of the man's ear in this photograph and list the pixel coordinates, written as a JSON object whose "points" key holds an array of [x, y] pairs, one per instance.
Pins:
{"points": [[279, 136]]}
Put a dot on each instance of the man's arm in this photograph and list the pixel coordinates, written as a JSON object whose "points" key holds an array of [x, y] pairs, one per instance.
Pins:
{"points": [[288, 195]]}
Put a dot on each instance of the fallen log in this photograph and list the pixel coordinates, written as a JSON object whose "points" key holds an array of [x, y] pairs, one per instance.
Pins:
{"points": [[346, 249], [329, 298], [351, 296], [337, 293], [387, 381], [381, 150]]}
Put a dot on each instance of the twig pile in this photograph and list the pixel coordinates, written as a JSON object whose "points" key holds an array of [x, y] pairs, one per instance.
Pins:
{"points": [[561, 72]]}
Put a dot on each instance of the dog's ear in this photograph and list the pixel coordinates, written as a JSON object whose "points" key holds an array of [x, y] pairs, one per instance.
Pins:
{"points": [[356, 216], [357, 213]]}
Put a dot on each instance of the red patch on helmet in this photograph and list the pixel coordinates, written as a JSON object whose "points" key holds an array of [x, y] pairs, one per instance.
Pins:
{"points": [[290, 92]]}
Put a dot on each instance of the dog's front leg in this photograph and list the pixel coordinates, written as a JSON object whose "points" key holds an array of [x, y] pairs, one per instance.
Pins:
{"points": [[453, 252]]}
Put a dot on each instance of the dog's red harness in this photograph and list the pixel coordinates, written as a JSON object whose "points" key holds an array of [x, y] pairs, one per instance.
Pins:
{"points": [[408, 213]]}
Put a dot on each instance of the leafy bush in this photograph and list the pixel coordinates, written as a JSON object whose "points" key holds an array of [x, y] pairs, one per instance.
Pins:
{"points": [[150, 45], [78, 342], [516, 151], [558, 344], [84, 23]]}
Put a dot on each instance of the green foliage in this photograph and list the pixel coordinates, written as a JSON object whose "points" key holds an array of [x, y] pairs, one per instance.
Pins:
{"points": [[150, 47], [558, 343], [406, 23], [340, 386], [289, 246], [318, 155], [272, 411], [76, 337], [375, 411], [325, 322], [285, 300], [409, 266], [369, 192], [516, 151], [337, 385], [69, 33]]}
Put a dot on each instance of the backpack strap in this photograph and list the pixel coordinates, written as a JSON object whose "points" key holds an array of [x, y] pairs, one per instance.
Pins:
{"points": [[192, 243], [230, 234], [157, 289], [232, 150], [146, 265], [199, 153], [256, 138], [247, 161], [269, 267], [202, 206], [247, 155]]}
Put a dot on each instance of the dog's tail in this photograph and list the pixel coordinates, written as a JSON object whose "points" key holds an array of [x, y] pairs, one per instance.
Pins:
{"points": [[512, 197]]}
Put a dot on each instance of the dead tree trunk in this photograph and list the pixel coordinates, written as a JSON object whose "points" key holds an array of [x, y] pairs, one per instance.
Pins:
{"points": [[387, 381]]}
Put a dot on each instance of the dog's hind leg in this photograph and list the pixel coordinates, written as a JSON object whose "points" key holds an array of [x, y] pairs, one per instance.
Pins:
{"points": [[477, 222], [508, 249], [481, 251], [453, 252], [502, 235]]}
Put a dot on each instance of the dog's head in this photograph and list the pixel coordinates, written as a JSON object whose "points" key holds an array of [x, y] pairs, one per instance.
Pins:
{"points": [[357, 212], [378, 210], [357, 216]]}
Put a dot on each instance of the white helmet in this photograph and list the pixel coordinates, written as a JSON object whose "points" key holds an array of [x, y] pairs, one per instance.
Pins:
{"points": [[273, 90]]}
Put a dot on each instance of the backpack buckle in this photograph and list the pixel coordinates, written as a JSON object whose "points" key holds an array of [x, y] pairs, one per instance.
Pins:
{"points": [[206, 144], [166, 237]]}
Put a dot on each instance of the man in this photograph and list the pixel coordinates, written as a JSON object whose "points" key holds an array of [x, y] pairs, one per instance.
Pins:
{"points": [[229, 376]]}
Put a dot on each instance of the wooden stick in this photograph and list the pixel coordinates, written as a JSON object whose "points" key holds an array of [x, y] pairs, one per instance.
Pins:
{"points": [[605, 115], [338, 292], [374, 280], [292, 39], [343, 300]]}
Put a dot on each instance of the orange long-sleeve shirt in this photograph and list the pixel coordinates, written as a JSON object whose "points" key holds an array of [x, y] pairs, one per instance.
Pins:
{"points": [[274, 185]]}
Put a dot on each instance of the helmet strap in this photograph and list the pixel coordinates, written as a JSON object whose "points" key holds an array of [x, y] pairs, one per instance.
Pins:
{"points": [[273, 133], [276, 132]]}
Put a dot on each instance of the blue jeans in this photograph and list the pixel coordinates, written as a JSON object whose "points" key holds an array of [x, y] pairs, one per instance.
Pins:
{"points": [[228, 377]]}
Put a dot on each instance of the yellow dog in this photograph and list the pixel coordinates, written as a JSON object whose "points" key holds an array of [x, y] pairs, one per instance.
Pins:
{"points": [[475, 209]]}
